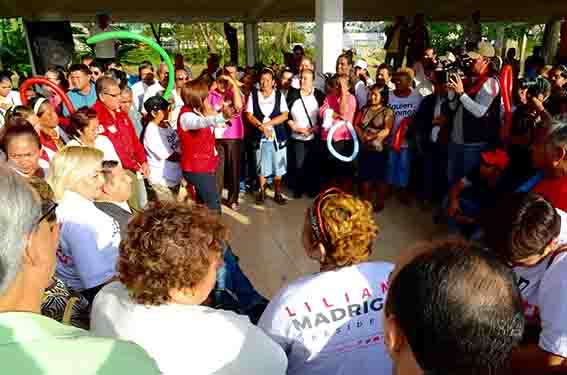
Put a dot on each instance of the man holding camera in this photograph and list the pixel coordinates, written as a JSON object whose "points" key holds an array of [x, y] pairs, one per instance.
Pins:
{"points": [[475, 104]]}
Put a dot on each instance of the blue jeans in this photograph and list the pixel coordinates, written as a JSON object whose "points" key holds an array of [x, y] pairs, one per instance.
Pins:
{"points": [[233, 290], [206, 186], [469, 209], [462, 159]]}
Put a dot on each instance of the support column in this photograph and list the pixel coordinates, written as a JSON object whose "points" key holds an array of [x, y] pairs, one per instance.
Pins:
{"points": [[329, 42], [551, 40], [251, 42]]}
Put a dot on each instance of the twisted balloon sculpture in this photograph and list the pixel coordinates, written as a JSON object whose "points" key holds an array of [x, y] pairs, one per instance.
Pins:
{"points": [[128, 35], [334, 152], [53, 86]]}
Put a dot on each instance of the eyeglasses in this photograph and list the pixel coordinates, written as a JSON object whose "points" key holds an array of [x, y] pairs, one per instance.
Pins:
{"points": [[48, 212], [113, 95]]}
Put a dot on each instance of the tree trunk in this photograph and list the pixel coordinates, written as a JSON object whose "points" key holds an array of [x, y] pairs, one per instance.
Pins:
{"points": [[157, 33], [282, 40], [206, 32], [232, 39]]}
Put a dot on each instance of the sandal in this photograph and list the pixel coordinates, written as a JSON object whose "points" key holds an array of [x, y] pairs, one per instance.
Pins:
{"points": [[280, 199]]}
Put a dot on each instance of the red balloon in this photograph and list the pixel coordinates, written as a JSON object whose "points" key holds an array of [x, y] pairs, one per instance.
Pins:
{"points": [[506, 83], [44, 81]]}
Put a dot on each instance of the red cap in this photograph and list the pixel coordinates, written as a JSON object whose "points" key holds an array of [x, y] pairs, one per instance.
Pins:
{"points": [[497, 158]]}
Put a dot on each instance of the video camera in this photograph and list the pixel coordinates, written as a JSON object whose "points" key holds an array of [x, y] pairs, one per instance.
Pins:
{"points": [[451, 65]]}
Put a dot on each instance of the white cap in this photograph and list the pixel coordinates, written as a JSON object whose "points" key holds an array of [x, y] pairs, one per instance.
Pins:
{"points": [[361, 64]]}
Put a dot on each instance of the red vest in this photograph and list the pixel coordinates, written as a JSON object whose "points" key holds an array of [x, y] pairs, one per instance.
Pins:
{"points": [[197, 148]]}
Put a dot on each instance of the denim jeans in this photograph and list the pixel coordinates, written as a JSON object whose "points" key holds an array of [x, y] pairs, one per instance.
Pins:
{"points": [[462, 159], [469, 209], [233, 290], [206, 186]]}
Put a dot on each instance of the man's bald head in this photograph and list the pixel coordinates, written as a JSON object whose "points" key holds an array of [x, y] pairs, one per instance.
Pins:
{"points": [[454, 297]]}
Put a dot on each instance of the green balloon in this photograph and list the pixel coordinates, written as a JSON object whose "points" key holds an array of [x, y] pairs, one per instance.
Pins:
{"points": [[128, 35]]}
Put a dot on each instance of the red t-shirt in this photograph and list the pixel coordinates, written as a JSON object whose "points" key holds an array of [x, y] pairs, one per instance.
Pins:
{"points": [[554, 190]]}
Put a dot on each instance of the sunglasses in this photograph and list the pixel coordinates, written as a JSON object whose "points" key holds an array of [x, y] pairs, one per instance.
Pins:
{"points": [[48, 212], [96, 73], [182, 78]]}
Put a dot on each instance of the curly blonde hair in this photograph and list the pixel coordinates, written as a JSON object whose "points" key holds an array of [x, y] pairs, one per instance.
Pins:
{"points": [[350, 229], [169, 246]]}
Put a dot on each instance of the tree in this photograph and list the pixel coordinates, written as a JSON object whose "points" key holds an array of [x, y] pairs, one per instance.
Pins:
{"points": [[13, 48]]}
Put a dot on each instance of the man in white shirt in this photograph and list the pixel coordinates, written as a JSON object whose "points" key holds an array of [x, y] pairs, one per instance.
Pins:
{"points": [[452, 308], [475, 120], [159, 86], [105, 51], [363, 82], [147, 79], [528, 233]]}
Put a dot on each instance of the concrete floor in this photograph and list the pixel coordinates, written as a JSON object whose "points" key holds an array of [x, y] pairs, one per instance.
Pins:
{"points": [[268, 238]]}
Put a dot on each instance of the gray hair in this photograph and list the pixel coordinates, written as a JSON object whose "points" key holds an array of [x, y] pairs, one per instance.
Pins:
{"points": [[557, 135], [19, 212]]}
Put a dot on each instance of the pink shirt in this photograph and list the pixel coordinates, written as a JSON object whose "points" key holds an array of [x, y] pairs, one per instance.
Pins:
{"points": [[333, 102], [236, 131]]}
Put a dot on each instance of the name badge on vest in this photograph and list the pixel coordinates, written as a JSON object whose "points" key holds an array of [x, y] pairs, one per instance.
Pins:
{"points": [[112, 129]]}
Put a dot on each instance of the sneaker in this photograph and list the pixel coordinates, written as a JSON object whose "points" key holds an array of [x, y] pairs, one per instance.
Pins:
{"points": [[280, 199], [260, 196]]}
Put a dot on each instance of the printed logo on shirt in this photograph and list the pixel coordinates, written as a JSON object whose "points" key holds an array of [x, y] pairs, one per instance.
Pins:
{"points": [[332, 317], [112, 129]]}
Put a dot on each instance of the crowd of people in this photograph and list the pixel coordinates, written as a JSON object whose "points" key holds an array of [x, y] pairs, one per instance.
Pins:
{"points": [[112, 236]]}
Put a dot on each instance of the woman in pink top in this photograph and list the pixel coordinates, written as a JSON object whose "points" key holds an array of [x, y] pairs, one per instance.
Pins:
{"points": [[226, 93], [339, 105]]}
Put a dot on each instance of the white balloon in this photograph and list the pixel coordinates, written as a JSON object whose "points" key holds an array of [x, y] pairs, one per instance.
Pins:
{"points": [[354, 139]]}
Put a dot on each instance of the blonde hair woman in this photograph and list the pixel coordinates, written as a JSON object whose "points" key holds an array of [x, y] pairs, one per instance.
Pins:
{"points": [[330, 322], [89, 238]]}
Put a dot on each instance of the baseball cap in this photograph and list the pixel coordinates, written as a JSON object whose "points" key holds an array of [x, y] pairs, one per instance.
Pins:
{"points": [[484, 49], [497, 158], [361, 64]]}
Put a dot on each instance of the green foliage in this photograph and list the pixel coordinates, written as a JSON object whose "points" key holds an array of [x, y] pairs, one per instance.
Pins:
{"points": [[13, 48]]}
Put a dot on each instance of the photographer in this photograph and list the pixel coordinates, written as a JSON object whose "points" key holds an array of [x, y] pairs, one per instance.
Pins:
{"points": [[555, 104], [475, 108], [527, 120]]}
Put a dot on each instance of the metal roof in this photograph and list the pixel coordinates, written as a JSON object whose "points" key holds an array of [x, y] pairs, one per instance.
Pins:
{"points": [[278, 10]]}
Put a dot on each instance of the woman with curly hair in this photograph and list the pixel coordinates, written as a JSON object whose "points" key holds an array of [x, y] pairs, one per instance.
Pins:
{"points": [[167, 269], [331, 322]]}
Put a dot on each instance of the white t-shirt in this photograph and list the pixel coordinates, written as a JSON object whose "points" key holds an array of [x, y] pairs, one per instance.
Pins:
{"points": [[104, 49], [160, 143], [187, 339], [300, 117], [266, 106], [88, 243], [332, 322], [103, 144], [544, 291], [403, 108], [138, 91], [13, 99]]}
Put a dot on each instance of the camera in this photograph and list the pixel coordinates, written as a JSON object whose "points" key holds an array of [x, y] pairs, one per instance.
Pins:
{"points": [[448, 67]]}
